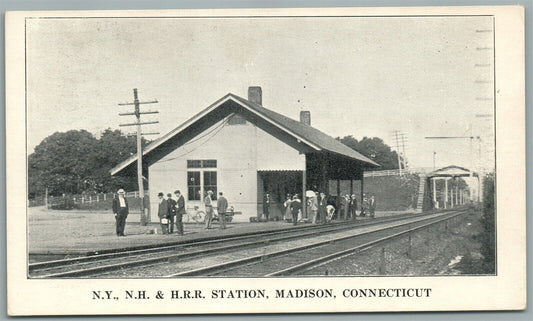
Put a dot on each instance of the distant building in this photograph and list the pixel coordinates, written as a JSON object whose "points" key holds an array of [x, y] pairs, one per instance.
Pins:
{"points": [[245, 150]]}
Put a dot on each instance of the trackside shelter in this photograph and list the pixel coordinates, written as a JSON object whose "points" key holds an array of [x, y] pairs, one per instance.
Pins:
{"points": [[450, 196], [245, 150]]}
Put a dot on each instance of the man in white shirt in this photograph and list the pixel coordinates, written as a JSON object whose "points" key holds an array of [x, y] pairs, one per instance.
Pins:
{"points": [[121, 211], [208, 202]]}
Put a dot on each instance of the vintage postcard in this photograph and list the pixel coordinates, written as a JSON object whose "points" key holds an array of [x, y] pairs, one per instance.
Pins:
{"points": [[265, 161]]}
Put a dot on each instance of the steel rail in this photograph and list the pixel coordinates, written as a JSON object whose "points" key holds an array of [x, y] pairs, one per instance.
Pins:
{"points": [[352, 251], [256, 258]]}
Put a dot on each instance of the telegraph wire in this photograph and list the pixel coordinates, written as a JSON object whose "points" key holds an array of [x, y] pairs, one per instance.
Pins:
{"points": [[219, 128]]}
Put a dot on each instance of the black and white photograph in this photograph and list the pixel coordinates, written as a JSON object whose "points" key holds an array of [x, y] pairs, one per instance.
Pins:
{"points": [[254, 159]]}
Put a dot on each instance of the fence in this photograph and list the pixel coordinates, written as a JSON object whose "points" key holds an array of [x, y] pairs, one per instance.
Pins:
{"points": [[390, 172], [396, 172], [79, 200]]}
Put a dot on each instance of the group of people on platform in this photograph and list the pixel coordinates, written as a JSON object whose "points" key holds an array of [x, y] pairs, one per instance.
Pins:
{"points": [[222, 208], [348, 206], [317, 208], [321, 210], [170, 212]]}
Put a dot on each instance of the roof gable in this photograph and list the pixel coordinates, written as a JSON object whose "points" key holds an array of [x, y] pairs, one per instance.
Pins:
{"points": [[308, 135]]}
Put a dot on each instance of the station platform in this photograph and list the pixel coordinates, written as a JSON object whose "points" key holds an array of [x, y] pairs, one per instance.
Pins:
{"points": [[58, 234]]}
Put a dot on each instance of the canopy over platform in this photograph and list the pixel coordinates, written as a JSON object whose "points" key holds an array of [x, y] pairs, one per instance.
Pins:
{"points": [[452, 171]]}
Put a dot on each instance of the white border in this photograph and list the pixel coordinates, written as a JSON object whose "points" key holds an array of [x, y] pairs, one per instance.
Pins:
{"points": [[507, 290]]}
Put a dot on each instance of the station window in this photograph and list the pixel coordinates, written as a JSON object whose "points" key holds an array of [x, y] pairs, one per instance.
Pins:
{"points": [[194, 185], [210, 183], [209, 163], [194, 163], [200, 181], [205, 163]]}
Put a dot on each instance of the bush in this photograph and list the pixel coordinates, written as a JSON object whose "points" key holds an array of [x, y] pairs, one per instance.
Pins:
{"points": [[488, 221], [393, 193]]}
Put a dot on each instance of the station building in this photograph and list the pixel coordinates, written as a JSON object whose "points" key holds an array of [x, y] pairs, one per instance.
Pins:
{"points": [[245, 150]]}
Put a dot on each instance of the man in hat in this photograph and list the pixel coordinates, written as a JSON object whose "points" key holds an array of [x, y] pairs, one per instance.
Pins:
{"points": [[208, 202], [222, 207], [296, 207], [364, 206], [266, 206], [346, 207], [120, 209], [180, 210], [353, 206], [171, 212], [163, 213], [372, 206], [323, 211]]}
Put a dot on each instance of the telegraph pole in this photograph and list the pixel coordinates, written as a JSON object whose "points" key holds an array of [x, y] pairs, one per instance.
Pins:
{"points": [[398, 151], [138, 123], [404, 158], [487, 128]]}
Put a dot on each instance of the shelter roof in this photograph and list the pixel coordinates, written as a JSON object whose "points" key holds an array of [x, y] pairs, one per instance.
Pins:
{"points": [[310, 136], [451, 171]]}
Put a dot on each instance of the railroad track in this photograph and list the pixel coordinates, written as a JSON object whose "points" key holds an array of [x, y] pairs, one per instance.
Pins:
{"points": [[108, 264], [309, 264], [254, 261], [292, 261]]}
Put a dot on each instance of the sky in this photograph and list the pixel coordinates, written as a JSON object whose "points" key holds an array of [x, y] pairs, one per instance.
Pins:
{"points": [[360, 76]]}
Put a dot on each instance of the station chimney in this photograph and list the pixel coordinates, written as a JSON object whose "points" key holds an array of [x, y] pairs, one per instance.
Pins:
{"points": [[305, 117], [255, 95]]}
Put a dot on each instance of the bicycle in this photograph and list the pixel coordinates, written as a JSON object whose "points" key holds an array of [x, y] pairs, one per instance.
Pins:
{"points": [[229, 215], [194, 214]]}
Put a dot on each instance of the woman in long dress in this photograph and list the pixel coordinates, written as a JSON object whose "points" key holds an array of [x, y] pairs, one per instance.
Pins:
{"points": [[314, 207], [287, 206]]}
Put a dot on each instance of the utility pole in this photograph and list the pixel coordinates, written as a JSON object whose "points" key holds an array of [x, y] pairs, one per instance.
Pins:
{"points": [[486, 126], [434, 181], [144, 218], [398, 151], [404, 158], [46, 198]]}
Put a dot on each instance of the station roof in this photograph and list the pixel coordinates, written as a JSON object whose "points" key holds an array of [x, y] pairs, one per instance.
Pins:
{"points": [[451, 171], [312, 137]]}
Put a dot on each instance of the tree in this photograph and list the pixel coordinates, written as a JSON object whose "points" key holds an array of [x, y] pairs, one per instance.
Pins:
{"points": [[113, 148], [61, 163], [373, 148], [488, 221], [75, 162]]}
